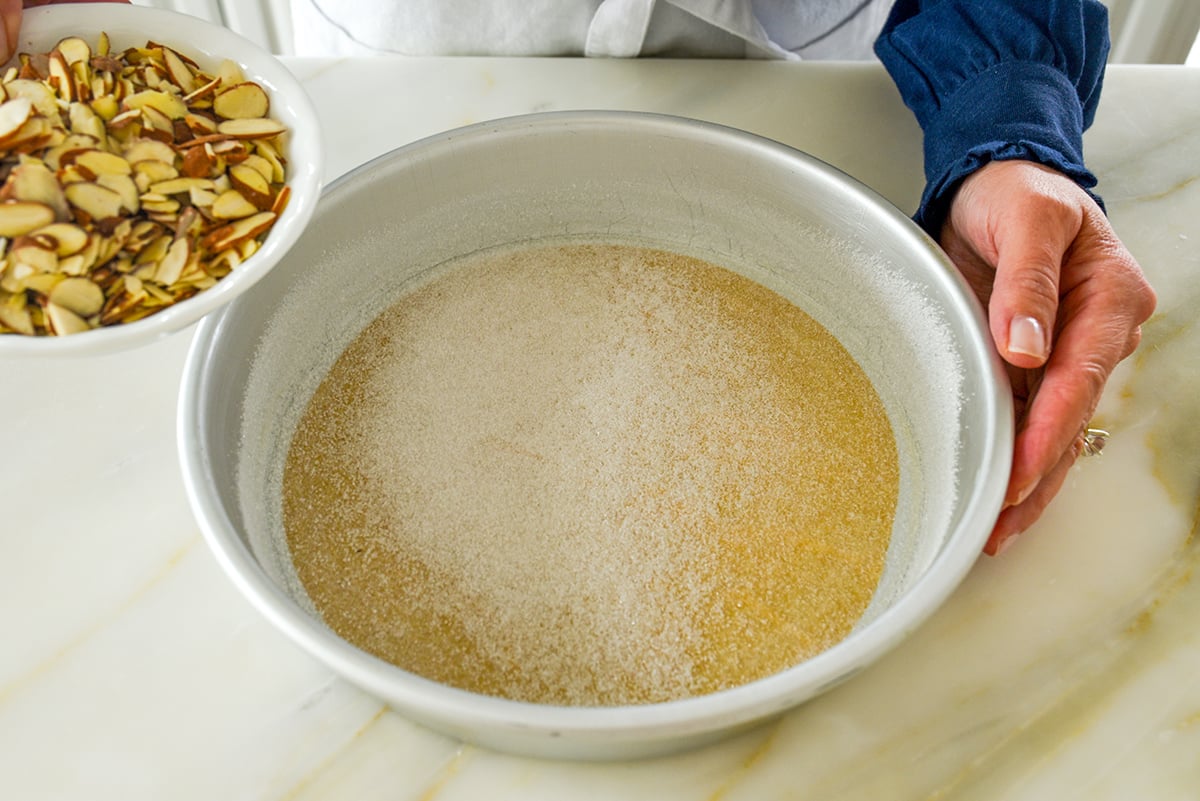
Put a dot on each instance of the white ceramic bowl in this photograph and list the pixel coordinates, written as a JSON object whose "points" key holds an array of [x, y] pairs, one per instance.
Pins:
{"points": [[829, 244], [208, 45]]}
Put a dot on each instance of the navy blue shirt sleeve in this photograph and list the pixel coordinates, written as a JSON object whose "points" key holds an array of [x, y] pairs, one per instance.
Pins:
{"points": [[996, 79]]}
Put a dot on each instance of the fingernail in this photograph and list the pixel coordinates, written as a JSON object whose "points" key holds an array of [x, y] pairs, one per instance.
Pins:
{"points": [[1024, 493], [1025, 336], [1007, 543]]}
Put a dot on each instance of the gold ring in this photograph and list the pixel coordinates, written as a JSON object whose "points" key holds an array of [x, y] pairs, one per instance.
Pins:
{"points": [[1094, 440]]}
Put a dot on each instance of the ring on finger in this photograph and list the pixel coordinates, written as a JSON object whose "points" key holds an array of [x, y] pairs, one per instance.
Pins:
{"points": [[1093, 440]]}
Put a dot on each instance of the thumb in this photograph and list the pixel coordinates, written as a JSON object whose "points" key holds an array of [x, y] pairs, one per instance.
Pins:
{"points": [[1025, 295], [10, 19]]}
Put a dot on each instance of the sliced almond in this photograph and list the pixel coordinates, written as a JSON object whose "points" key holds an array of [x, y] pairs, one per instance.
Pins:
{"points": [[125, 120], [13, 114], [179, 72], [268, 153], [124, 186], [231, 234], [230, 205], [158, 206], [281, 200], [153, 252], [81, 74], [35, 183], [20, 217], [36, 92], [163, 102], [31, 253], [148, 150], [79, 295], [98, 202], [204, 91], [180, 185], [261, 166], [252, 185], [73, 265], [74, 50], [198, 162], [173, 262], [64, 322], [153, 171], [106, 106], [16, 318], [36, 132], [230, 73], [85, 120], [246, 100], [202, 198], [256, 128], [158, 125], [101, 162], [60, 78], [121, 306], [68, 238]]}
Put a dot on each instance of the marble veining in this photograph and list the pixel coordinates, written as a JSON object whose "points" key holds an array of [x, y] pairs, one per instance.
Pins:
{"points": [[1068, 668]]}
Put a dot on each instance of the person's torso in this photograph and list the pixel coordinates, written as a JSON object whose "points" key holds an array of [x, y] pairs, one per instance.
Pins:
{"points": [[616, 28]]}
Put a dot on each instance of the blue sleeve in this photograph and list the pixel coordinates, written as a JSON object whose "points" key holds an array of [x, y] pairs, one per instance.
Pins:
{"points": [[996, 79]]}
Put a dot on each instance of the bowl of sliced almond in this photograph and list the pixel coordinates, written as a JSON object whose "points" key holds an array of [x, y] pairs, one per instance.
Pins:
{"points": [[153, 167]]}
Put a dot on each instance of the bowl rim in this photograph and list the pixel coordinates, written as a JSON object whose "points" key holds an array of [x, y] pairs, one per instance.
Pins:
{"points": [[726, 709], [289, 100]]}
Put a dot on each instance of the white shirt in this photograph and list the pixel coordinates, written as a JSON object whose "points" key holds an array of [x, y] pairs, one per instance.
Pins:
{"points": [[615, 28]]}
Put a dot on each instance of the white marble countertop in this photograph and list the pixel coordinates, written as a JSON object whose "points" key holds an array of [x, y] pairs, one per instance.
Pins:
{"points": [[1068, 668]]}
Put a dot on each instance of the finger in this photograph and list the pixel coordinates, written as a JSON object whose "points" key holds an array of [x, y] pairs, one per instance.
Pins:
{"points": [[1015, 520], [1094, 339], [10, 18], [1025, 296]]}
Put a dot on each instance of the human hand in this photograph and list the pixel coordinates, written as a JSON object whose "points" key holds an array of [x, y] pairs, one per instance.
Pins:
{"points": [[1065, 303], [10, 18]]}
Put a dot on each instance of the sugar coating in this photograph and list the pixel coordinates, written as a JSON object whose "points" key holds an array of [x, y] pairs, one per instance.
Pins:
{"points": [[591, 475]]}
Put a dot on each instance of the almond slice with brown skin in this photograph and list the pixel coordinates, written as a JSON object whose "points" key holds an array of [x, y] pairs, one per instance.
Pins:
{"points": [[68, 238], [20, 217], [246, 100], [203, 91], [257, 128], [101, 162], [97, 201], [252, 185], [13, 114], [178, 71], [35, 183], [177, 186], [230, 205], [229, 235], [29, 251], [281, 199], [60, 77], [198, 162], [74, 49], [148, 150], [36, 92]]}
